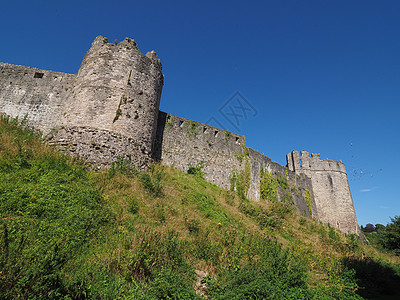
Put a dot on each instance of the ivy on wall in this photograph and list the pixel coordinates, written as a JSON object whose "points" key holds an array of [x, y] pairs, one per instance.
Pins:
{"points": [[240, 181], [245, 154], [268, 186]]}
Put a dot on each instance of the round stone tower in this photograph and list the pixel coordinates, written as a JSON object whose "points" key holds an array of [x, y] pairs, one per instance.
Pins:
{"points": [[114, 103], [333, 200]]}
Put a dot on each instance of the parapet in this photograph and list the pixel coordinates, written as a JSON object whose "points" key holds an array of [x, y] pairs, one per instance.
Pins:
{"points": [[303, 163], [206, 132]]}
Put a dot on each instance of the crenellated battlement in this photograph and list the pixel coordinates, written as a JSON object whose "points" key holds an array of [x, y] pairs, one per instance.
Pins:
{"points": [[205, 132], [303, 162]]}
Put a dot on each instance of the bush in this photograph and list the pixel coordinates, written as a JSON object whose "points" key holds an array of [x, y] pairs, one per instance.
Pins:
{"points": [[270, 273], [389, 238], [197, 170], [169, 284], [152, 183], [123, 165]]}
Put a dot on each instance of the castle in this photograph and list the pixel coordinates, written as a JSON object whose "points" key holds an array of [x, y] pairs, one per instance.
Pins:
{"points": [[110, 109]]}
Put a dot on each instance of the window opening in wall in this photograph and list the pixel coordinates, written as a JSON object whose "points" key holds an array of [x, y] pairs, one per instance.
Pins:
{"points": [[204, 129], [301, 163], [38, 75], [309, 164], [180, 123], [216, 133], [237, 140]]}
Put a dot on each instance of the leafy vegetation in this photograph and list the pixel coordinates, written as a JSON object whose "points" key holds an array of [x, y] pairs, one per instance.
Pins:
{"points": [[170, 122], [68, 232], [197, 170], [386, 237], [192, 129], [245, 153], [268, 186], [240, 181], [227, 135]]}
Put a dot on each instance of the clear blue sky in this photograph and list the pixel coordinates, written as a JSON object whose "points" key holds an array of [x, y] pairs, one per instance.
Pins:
{"points": [[322, 75]]}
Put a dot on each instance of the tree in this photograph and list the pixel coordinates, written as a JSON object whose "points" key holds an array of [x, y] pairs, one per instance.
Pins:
{"points": [[379, 227], [369, 228], [390, 237]]}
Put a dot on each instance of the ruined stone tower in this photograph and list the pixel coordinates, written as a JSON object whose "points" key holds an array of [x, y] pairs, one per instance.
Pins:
{"points": [[332, 195], [116, 90]]}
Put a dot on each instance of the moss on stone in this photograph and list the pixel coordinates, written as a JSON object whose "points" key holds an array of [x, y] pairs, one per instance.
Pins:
{"points": [[227, 135], [192, 129]]}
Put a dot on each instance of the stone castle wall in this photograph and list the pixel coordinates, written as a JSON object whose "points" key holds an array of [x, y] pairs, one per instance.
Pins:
{"points": [[110, 109], [297, 184], [182, 143], [38, 93]]}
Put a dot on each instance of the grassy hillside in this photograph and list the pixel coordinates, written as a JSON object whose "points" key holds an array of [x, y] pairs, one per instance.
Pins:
{"points": [[67, 232]]}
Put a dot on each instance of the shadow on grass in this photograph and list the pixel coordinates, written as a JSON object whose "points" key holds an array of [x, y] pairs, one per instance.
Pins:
{"points": [[376, 280]]}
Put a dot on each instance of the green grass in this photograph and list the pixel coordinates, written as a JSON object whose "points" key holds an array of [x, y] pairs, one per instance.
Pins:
{"points": [[68, 232]]}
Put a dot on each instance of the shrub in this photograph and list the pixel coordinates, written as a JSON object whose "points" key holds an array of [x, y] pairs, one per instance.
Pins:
{"points": [[270, 273], [265, 218], [152, 183], [169, 284], [389, 238], [333, 234], [197, 170], [122, 165]]}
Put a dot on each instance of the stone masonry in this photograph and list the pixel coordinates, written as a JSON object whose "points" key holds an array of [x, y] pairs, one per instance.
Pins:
{"points": [[332, 195], [110, 110]]}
